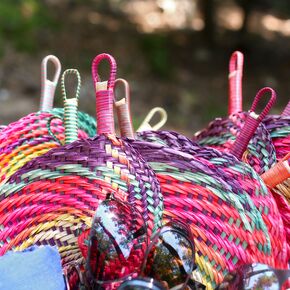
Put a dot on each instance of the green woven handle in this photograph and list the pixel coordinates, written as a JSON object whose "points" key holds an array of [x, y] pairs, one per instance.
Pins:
{"points": [[71, 107]]}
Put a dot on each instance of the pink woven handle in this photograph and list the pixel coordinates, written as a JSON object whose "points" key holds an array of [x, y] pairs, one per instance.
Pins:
{"points": [[104, 98], [252, 122], [278, 173], [286, 111], [235, 82], [47, 86], [124, 111]]}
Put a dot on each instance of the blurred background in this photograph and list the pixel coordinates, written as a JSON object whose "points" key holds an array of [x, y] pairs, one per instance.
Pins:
{"points": [[174, 53]]}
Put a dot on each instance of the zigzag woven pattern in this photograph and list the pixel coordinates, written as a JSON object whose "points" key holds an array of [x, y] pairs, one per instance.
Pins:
{"points": [[72, 179], [222, 132], [279, 128], [231, 204], [28, 138]]}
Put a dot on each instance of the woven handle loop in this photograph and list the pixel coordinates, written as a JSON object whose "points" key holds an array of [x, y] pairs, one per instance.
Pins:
{"points": [[48, 125], [286, 111], [278, 173], [71, 107], [113, 69], [145, 126], [123, 110], [47, 86], [252, 122], [104, 95], [235, 82]]}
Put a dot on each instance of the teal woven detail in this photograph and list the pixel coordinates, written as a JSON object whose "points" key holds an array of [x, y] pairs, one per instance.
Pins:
{"points": [[237, 241], [235, 260], [85, 122], [70, 120], [244, 245], [231, 237], [228, 255], [70, 107]]}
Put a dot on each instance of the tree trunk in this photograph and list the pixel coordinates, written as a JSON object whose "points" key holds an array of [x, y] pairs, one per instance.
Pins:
{"points": [[207, 8]]}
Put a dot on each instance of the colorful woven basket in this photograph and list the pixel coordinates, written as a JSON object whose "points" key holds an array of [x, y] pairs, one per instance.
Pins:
{"points": [[52, 199], [213, 191], [222, 132], [27, 138], [275, 179]]}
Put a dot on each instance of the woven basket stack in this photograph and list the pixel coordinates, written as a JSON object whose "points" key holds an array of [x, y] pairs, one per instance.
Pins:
{"points": [[230, 183]]}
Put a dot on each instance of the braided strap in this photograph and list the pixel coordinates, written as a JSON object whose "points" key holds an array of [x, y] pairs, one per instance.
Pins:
{"points": [[71, 108], [124, 111], [47, 86], [252, 122], [286, 111], [235, 82], [104, 97], [278, 173]]}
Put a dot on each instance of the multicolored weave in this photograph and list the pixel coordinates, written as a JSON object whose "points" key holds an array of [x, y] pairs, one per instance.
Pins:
{"points": [[222, 132], [218, 196], [27, 138], [275, 180], [211, 191], [52, 199]]}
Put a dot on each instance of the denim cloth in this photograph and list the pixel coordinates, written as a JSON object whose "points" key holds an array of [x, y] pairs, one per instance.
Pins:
{"points": [[36, 268]]}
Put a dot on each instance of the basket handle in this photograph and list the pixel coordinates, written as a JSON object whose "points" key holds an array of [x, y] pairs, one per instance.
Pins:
{"points": [[252, 122], [145, 126], [123, 110], [47, 86], [71, 107], [235, 82], [286, 111], [104, 96], [278, 173]]}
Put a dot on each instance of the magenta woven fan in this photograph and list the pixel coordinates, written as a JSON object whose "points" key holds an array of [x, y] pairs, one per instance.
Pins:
{"points": [[52, 199], [212, 191], [222, 132]]}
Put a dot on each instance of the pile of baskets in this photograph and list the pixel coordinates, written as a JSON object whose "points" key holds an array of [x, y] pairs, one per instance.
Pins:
{"points": [[230, 182]]}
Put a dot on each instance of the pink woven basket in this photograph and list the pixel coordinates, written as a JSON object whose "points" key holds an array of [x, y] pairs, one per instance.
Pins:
{"points": [[217, 195], [222, 132], [52, 199], [274, 179], [27, 138]]}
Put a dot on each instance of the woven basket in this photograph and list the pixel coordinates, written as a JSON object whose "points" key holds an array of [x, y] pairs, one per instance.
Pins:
{"points": [[275, 179], [222, 132], [221, 188], [65, 185], [27, 138]]}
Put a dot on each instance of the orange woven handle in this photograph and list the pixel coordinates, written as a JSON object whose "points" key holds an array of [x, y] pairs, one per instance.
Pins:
{"points": [[123, 110], [235, 82], [278, 173]]}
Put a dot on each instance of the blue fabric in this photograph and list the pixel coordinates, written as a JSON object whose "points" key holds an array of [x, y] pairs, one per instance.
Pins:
{"points": [[36, 268]]}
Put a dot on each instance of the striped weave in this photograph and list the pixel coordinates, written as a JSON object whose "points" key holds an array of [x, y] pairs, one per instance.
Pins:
{"points": [[75, 177], [222, 132], [228, 196]]}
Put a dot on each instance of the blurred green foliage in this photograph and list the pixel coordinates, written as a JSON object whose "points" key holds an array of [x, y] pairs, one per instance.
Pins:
{"points": [[21, 22], [156, 49]]}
